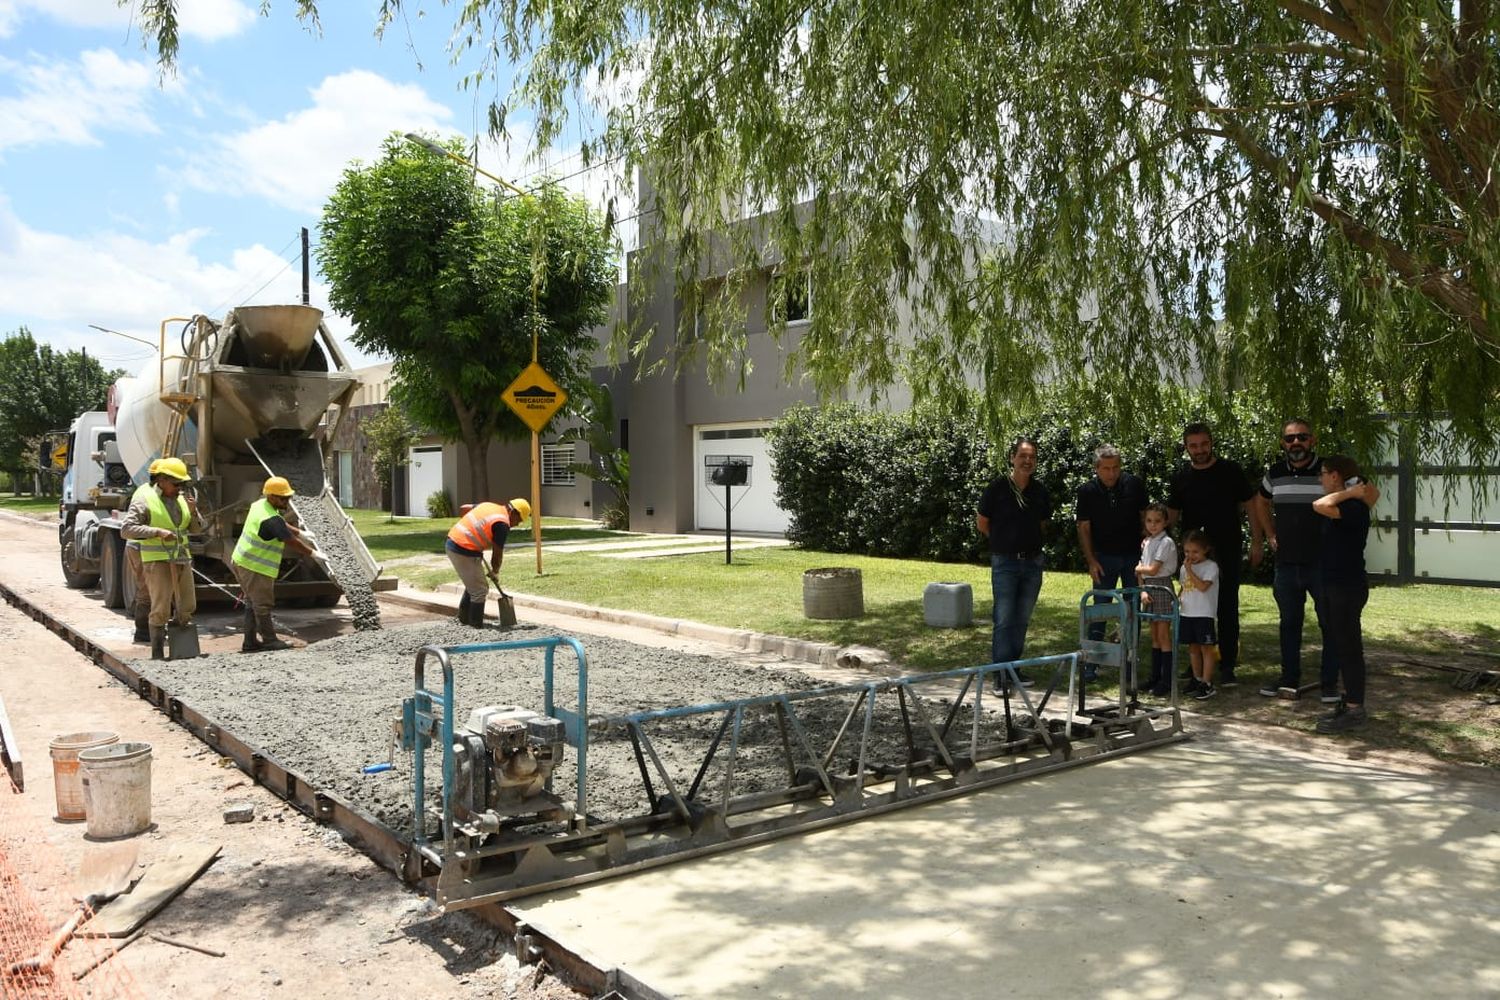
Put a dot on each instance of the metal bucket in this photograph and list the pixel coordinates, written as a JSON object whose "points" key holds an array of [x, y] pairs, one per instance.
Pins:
{"points": [[117, 789], [65, 780]]}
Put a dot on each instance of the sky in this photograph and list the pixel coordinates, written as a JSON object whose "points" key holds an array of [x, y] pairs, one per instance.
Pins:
{"points": [[128, 196]]}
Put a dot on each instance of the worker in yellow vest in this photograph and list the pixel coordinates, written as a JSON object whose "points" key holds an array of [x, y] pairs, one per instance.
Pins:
{"points": [[161, 520], [483, 528], [271, 527], [142, 607]]}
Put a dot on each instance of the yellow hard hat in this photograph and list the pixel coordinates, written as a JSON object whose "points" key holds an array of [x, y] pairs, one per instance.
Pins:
{"points": [[174, 467], [277, 486], [154, 467], [522, 506]]}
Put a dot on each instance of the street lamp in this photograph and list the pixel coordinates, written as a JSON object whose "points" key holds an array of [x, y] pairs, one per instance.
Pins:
{"points": [[536, 440]]}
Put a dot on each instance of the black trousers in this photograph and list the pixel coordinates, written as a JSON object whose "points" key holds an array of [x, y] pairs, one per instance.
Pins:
{"points": [[1343, 604], [1229, 615]]}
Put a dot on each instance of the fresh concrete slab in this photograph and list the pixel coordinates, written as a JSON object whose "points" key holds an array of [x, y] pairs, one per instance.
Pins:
{"points": [[1218, 868]]}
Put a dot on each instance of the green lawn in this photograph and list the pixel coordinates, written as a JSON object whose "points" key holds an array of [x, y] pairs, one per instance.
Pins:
{"points": [[762, 590], [28, 504]]}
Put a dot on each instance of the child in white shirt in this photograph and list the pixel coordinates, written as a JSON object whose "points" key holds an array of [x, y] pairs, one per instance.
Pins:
{"points": [[1200, 605], [1155, 572]]}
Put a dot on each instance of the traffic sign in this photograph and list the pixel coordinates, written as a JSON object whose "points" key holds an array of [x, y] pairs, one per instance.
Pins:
{"points": [[534, 397], [60, 456]]}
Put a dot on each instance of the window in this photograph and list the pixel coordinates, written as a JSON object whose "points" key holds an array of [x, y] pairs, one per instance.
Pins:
{"points": [[557, 461], [791, 297]]}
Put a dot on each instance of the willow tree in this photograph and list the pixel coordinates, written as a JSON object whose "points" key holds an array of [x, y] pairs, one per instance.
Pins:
{"points": [[1296, 197]]}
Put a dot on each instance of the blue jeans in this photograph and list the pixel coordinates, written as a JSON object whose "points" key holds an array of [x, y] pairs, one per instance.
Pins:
{"points": [[1291, 587], [1119, 571], [1015, 584]]}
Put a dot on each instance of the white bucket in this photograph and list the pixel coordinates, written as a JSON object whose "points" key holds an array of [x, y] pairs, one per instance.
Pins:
{"points": [[65, 781], [117, 789]]}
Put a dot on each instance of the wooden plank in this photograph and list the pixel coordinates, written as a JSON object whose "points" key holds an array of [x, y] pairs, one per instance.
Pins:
{"points": [[10, 750], [162, 881]]}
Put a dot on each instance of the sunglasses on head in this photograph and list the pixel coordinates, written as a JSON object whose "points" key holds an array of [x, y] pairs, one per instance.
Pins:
{"points": [[1289, 438]]}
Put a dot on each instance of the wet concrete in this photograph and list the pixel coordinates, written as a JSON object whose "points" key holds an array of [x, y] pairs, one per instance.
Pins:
{"points": [[304, 470]]}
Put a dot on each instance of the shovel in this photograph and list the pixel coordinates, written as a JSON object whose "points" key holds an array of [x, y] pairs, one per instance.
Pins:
{"points": [[104, 874], [503, 604], [182, 640]]}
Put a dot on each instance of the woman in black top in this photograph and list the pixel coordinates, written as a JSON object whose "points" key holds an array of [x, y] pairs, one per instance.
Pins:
{"points": [[1345, 507]]}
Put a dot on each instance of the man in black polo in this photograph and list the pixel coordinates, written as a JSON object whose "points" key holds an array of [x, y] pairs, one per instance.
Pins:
{"points": [[1109, 528], [1211, 493], [1289, 523]]}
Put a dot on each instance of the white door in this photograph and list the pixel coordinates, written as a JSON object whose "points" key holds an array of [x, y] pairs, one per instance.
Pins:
{"points": [[424, 477], [752, 507]]}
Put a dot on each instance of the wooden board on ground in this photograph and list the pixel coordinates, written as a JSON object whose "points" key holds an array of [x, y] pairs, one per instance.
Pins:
{"points": [[162, 881]]}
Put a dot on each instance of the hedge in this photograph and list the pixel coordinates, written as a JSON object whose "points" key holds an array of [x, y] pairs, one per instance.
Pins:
{"points": [[906, 484]]}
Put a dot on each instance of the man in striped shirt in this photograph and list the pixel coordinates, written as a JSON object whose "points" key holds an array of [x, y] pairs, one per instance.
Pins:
{"points": [[1284, 506]]}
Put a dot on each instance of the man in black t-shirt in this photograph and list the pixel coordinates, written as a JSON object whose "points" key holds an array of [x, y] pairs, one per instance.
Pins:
{"points": [[1012, 513], [1109, 528], [1211, 493]]}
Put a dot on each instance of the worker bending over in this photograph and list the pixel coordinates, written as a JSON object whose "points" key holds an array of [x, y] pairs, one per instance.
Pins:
{"points": [[483, 527], [271, 527], [160, 518]]}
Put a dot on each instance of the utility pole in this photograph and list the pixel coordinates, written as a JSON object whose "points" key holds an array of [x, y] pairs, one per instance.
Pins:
{"points": [[306, 283]]}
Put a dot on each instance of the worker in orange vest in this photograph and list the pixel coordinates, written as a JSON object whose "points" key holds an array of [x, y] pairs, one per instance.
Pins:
{"points": [[483, 528]]}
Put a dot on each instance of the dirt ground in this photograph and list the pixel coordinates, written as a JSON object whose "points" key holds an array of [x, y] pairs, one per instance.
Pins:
{"points": [[294, 909]]}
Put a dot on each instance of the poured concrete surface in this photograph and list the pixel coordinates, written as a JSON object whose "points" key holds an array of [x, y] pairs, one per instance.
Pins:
{"points": [[1218, 868]]}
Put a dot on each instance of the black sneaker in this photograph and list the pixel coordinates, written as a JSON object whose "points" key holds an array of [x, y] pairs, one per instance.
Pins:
{"points": [[1343, 719], [1227, 678], [1191, 687], [1204, 692], [1275, 690], [1091, 672], [1338, 710]]}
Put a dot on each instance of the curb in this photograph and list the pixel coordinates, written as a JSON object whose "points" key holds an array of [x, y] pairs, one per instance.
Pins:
{"points": [[821, 653]]}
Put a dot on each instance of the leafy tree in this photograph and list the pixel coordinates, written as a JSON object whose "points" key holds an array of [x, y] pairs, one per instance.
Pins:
{"points": [[42, 390], [453, 281], [390, 437], [1294, 196], [608, 463]]}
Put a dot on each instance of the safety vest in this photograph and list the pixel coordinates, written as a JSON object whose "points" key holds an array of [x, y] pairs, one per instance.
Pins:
{"points": [[139, 496], [165, 549], [475, 530], [254, 552]]}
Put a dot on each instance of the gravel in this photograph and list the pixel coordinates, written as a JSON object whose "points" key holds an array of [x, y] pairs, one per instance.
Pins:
{"points": [[327, 710]]}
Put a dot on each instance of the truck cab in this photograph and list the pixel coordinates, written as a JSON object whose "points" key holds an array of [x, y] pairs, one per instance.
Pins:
{"points": [[96, 487]]}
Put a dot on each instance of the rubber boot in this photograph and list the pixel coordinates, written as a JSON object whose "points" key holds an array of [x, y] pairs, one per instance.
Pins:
{"points": [[465, 602], [269, 640], [251, 643], [476, 614], [142, 622], [1164, 688], [158, 642]]}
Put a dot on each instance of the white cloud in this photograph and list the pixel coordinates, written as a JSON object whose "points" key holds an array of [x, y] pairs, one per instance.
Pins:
{"points": [[296, 162], [208, 20], [70, 102]]}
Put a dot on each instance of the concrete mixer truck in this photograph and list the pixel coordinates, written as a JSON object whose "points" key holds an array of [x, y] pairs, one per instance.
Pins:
{"points": [[237, 400]]}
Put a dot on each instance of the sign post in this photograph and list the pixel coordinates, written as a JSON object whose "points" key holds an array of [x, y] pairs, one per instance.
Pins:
{"points": [[535, 398]]}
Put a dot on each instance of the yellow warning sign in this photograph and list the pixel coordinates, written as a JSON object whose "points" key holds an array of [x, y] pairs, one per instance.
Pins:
{"points": [[60, 456], [534, 397]]}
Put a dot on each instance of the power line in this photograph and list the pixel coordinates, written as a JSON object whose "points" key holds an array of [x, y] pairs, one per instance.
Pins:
{"points": [[235, 294]]}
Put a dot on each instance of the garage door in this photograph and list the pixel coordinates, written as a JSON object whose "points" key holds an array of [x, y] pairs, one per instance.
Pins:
{"points": [[753, 506]]}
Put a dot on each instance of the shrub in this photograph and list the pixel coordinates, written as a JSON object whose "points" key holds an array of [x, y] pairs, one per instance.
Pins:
{"points": [[907, 484], [438, 505]]}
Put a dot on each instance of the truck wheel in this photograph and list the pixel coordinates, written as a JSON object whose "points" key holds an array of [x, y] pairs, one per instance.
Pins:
{"points": [[111, 570], [73, 576], [129, 585]]}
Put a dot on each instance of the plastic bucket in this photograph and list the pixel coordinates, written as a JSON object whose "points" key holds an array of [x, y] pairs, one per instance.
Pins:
{"points": [[117, 789], [65, 780]]}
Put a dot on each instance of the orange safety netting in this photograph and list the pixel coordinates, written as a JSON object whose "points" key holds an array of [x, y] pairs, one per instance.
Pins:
{"points": [[36, 900]]}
